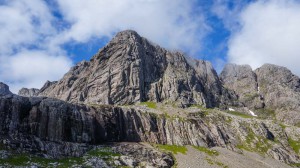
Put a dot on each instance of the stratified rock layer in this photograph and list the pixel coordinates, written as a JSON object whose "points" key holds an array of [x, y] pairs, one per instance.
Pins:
{"points": [[242, 80], [62, 129]]}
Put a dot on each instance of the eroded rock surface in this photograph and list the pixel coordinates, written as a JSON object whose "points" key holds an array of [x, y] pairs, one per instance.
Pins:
{"points": [[29, 92], [63, 129], [242, 80], [131, 69], [270, 88]]}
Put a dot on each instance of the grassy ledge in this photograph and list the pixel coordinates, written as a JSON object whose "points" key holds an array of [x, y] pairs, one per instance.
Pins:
{"points": [[149, 104], [294, 144], [239, 114], [207, 151], [172, 148]]}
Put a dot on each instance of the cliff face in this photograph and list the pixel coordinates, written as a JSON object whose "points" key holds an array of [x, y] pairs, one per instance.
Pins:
{"points": [[131, 69], [268, 88], [4, 89], [62, 129]]}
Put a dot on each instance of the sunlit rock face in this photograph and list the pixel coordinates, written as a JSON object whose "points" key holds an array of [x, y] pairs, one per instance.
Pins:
{"points": [[270, 88], [131, 69]]}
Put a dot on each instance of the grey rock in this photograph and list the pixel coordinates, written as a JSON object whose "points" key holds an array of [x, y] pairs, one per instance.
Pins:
{"points": [[281, 91], [243, 81], [131, 69], [4, 154], [4, 89], [213, 86], [135, 155], [60, 129], [28, 92], [270, 88], [47, 85]]}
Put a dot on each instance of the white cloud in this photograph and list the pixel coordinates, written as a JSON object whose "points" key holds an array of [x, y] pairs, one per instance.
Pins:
{"points": [[270, 33], [23, 23], [26, 59], [32, 69], [171, 23], [222, 9], [32, 36]]}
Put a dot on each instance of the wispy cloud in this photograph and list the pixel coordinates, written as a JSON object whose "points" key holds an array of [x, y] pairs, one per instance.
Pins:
{"points": [[269, 33]]}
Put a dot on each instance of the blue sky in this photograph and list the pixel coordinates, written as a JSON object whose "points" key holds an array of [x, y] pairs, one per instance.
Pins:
{"points": [[42, 39]]}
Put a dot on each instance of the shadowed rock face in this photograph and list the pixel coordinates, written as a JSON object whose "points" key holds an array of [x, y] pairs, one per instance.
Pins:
{"points": [[4, 89], [131, 69], [269, 87]]}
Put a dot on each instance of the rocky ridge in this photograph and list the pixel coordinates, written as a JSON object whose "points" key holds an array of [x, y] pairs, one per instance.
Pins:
{"points": [[269, 89], [131, 69]]}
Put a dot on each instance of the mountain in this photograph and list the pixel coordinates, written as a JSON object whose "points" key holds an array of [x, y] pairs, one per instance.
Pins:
{"points": [[137, 104], [131, 69], [270, 89]]}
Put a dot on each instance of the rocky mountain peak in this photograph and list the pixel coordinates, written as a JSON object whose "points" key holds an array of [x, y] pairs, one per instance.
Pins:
{"points": [[235, 70], [269, 89], [4, 89], [280, 75], [131, 69], [127, 35]]}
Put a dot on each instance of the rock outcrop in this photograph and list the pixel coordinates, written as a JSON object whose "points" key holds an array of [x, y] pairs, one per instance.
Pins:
{"points": [[270, 88], [131, 69], [4, 89], [243, 81], [281, 92], [29, 92]]}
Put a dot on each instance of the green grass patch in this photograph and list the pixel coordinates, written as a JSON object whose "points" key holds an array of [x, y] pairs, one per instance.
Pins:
{"points": [[282, 126], [197, 106], [103, 152], [295, 164], [266, 113], [207, 151], [149, 104], [295, 145], [212, 162], [228, 120], [239, 114], [166, 115], [209, 161], [172, 148], [26, 160]]}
